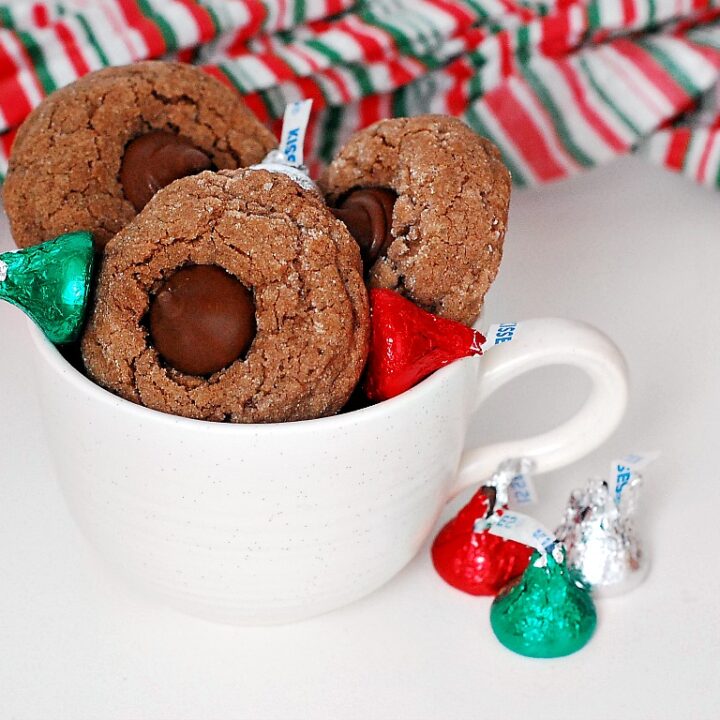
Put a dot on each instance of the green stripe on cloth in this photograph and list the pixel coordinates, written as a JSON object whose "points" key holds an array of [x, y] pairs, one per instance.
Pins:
{"points": [[331, 54], [399, 102], [39, 63], [478, 9], [401, 40], [362, 78], [299, 13], [171, 41], [217, 25], [93, 40], [652, 10], [561, 128], [230, 75], [524, 48], [672, 67], [593, 15], [332, 120], [607, 99], [6, 20], [475, 122]]}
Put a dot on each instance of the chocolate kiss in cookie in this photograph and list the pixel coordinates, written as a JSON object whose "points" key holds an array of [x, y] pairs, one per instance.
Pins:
{"points": [[367, 213], [202, 319], [154, 160]]}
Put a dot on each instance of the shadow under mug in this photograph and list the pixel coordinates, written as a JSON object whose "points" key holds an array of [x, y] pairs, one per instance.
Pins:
{"points": [[261, 524]]}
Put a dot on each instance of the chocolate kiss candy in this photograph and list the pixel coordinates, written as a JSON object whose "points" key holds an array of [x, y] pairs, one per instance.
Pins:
{"points": [[409, 344], [367, 213], [202, 319], [600, 537], [471, 559], [548, 612], [154, 160], [51, 283]]}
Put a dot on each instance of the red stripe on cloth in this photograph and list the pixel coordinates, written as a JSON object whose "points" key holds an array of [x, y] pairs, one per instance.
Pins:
{"points": [[40, 16], [518, 10], [708, 53], [677, 148], [372, 48], [593, 118], [638, 88], [257, 106], [217, 74], [72, 49], [339, 81], [150, 32], [457, 97], [258, 13], [14, 103], [369, 110], [280, 17], [333, 7], [306, 56], [700, 18], [654, 72], [202, 19], [520, 127], [702, 165], [507, 58], [279, 68], [629, 12], [399, 74], [186, 55], [555, 34]]}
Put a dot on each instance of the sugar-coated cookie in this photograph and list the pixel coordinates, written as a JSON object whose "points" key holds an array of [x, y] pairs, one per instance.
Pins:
{"points": [[448, 222], [92, 153], [232, 296]]}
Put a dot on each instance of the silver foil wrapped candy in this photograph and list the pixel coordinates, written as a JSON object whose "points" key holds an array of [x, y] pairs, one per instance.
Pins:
{"points": [[600, 539]]}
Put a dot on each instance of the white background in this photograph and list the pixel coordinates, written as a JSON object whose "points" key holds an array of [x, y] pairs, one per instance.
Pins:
{"points": [[628, 248]]}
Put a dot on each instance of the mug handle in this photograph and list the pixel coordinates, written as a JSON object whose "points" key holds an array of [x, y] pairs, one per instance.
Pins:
{"points": [[539, 343]]}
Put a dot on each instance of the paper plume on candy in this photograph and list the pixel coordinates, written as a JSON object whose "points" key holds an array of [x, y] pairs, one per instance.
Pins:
{"points": [[408, 344], [51, 283]]}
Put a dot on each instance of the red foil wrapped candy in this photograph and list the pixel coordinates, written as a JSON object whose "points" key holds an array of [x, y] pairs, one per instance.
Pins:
{"points": [[408, 344], [470, 558]]}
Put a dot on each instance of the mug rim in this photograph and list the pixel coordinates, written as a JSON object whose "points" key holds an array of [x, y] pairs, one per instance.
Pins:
{"points": [[52, 356]]}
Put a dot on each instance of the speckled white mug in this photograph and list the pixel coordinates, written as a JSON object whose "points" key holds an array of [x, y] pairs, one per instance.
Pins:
{"points": [[258, 524]]}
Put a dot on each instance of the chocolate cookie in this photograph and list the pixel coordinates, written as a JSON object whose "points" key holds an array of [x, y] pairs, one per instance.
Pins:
{"points": [[92, 154], [443, 243], [232, 296]]}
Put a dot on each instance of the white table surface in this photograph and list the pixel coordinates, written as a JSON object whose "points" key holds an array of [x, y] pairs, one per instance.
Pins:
{"points": [[629, 248]]}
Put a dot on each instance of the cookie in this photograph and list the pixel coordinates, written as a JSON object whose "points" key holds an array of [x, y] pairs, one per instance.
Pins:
{"points": [[91, 154], [451, 193], [265, 241]]}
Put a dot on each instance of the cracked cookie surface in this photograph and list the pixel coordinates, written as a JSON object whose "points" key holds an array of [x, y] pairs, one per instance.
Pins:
{"points": [[450, 215], [282, 243], [65, 162]]}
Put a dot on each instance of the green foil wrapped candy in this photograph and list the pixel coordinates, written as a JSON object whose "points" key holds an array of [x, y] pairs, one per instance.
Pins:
{"points": [[51, 283], [548, 612]]}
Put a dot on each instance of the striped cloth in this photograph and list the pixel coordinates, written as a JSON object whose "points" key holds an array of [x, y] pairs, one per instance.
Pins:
{"points": [[560, 85]]}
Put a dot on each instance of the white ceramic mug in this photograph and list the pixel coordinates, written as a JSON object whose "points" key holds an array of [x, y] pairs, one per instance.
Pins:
{"points": [[258, 524]]}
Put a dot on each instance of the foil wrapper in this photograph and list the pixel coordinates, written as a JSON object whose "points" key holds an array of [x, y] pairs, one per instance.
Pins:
{"points": [[408, 343], [548, 612], [599, 535], [470, 558], [51, 283], [276, 161]]}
